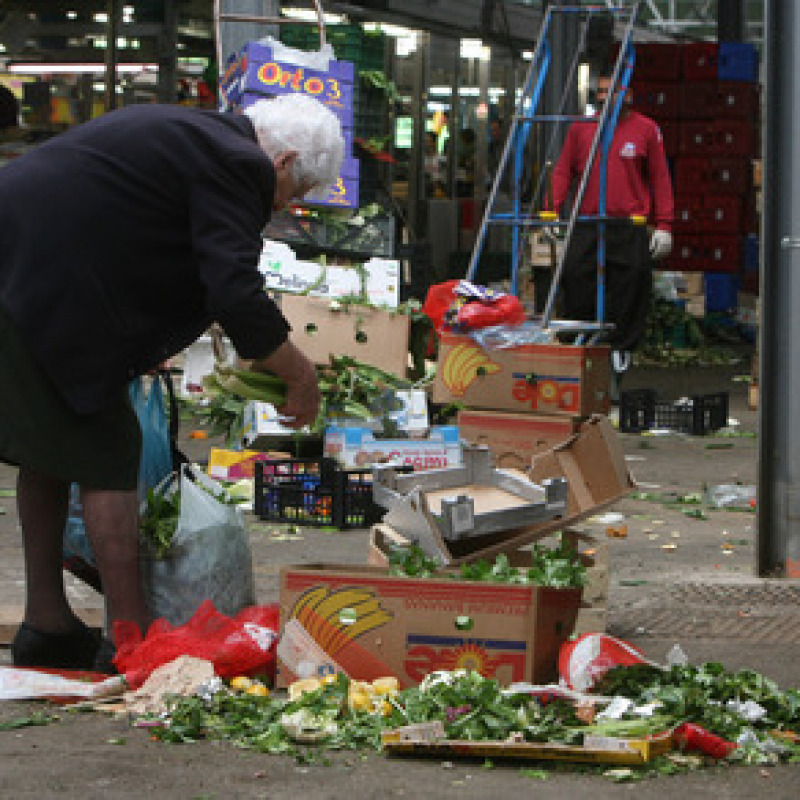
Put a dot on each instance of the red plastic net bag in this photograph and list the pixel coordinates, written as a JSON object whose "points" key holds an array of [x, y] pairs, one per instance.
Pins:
{"points": [[584, 661], [240, 645]]}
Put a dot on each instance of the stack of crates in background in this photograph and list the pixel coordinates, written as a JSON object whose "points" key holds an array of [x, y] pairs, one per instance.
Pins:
{"points": [[705, 97], [366, 50]]}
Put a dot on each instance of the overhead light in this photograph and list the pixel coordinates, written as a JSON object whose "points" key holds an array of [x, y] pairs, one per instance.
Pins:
{"points": [[40, 68], [405, 45], [72, 15], [309, 15], [474, 48], [527, 55], [100, 17]]}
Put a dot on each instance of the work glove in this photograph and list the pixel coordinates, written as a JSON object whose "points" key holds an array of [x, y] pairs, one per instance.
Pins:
{"points": [[660, 244]]}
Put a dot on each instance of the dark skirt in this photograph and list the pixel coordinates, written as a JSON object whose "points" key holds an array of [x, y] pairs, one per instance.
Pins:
{"points": [[39, 431]]}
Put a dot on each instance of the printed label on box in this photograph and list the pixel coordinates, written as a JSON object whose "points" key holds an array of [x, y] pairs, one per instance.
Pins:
{"points": [[358, 447], [284, 272]]}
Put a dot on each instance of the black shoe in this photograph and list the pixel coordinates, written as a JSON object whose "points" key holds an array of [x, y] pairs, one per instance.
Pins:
{"points": [[74, 650], [104, 659]]}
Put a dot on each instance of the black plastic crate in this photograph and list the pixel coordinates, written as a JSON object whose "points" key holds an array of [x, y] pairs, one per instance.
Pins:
{"points": [[316, 492], [639, 411]]}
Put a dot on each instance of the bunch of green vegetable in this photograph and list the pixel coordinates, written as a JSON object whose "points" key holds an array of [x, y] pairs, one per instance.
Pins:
{"points": [[708, 695], [558, 567]]}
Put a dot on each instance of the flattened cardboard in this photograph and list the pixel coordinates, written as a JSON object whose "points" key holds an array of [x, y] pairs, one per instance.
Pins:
{"points": [[409, 627], [515, 438], [320, 332], [568, 380], [592, 462]]}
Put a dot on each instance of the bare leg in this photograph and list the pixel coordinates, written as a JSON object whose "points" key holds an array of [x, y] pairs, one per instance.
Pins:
{"points": [[112, 523], [42, 503]]}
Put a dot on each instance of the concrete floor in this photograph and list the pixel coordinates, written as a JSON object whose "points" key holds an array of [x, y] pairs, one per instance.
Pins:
{"points": [[702, 593]]}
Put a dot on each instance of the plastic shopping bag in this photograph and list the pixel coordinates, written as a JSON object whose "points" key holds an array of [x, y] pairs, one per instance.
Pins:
{"points": [[156, 458], [243, 644], [210, 557]]}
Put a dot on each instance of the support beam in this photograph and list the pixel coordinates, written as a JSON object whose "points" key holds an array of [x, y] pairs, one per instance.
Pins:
{"points": [[778, 548], [731, 20]]}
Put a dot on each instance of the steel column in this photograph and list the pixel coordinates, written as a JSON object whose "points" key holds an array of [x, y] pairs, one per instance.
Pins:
{"points": [[778, 550]]}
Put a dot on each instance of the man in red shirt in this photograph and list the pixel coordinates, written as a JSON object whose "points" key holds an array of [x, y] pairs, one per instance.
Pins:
{"points": [[638, 184]]}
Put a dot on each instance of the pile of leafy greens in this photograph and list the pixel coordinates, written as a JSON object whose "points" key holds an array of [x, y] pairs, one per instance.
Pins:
{"points": [[558, 567]]}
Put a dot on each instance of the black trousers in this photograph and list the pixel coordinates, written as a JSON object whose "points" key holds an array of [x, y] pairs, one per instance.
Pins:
{"points": [[629, 280]]}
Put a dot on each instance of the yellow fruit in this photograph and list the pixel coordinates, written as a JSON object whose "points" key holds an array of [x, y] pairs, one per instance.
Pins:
{"points": [[359, 701], [240, 683], [386, 708], [327, 680], [302, 686], [257, 690], [388, 685]]}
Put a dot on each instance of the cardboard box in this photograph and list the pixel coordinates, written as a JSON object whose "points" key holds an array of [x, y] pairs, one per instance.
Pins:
{"points": [[368, 624], [371, 335], [357, 447], [262, 419], [694, 283], [284, 272], [593, 553], [593, 464], [514, 438], [233, 465], [569, 380]]}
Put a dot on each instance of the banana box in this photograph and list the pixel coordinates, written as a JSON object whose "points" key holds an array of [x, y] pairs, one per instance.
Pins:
{"points": [[570, 380], [363, 622]]}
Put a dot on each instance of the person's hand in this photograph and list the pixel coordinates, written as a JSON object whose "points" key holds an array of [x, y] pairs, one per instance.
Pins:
{"points": [[660, 244], [302, 390]]}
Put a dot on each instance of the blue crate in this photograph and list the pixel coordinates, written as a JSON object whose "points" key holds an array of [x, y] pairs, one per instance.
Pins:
{"points": [[750, 254], [737, 61], [721, 291]]}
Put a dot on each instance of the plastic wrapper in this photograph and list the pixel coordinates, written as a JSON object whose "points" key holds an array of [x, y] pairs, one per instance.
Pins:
{"points": [[210, 557], [243, 644]]}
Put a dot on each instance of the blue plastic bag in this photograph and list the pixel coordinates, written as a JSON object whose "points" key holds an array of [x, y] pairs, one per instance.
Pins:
{"points": [[156, 461], [155, 465]]}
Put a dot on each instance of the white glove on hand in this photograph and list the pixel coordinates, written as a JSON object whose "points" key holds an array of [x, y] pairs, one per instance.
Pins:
{"points": [[660, 244]]}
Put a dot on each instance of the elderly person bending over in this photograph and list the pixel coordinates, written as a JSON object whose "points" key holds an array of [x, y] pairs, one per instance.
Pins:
{"points": [[121, 241]]}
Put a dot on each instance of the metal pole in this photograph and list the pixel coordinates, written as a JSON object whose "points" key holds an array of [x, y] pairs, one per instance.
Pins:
{"points": [[778, 550], [167, 54], [110, 98], [731, 20]]}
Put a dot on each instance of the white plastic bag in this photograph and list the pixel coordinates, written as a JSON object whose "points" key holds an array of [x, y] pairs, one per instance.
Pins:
{"points": [[210, 557]]}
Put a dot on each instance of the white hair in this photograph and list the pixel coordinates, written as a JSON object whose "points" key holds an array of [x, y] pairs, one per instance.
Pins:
{"points": [[301, 123]]}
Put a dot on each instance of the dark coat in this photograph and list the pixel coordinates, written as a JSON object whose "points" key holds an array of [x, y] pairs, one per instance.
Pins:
{"points": [[123, 239]]}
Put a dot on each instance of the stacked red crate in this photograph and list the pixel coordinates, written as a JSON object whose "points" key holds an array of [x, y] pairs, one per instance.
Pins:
{"points": [[717, 138]]}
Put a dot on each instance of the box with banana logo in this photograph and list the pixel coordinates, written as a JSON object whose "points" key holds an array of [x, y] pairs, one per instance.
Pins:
{"points": [[364, 622], [571, 380]]}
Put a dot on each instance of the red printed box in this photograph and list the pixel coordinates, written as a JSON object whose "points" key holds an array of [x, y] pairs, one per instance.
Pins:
{"points": [[658, 100], [723, 214], [722, 253], [368, 624], [692, 175], [687, 253], [669, 134], [696, 138], [700, 61], [698, 100], [735, 137], [690, 213], [741, 100]]}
